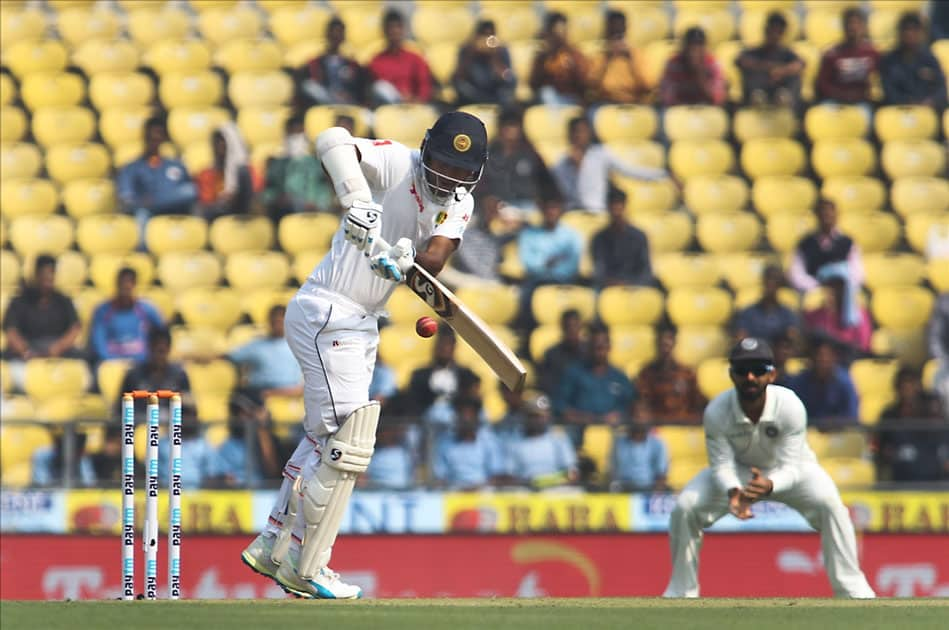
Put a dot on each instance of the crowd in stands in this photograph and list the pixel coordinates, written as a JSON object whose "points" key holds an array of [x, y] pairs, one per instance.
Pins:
{"points": [[438, 427]]}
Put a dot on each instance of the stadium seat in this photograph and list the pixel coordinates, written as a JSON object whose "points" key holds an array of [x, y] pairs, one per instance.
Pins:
{"points": [[910, 195], [513, 22], [19, 160], [699, 307], [906, 344], [683, 443], [240, 233], [320, 117], [713, 378], [253, 270], [695, 122], [71, 270], [838, 444], [905, 122], [667, 232], [304, 263], [150, 25], [929, 374], [850, 473], [548, 122], [598, 448], [183, 270], [66, 163], [104, 268], [161, 298], [632, 345], [753, 123], [677, 270], [772, 156], [542, 339], [197, 343], [890, 269], [937, 271], [109, 376], [9, 274], [630, 306], [222, 25], [197, 89], [178, 55], [584, 223], [694, 344], [32, 235], [835, 122], [99, 56], [118, 125], [688, 158], [84, 197], [107, 234], [33, 56], [399, 344], [872, 231], [913, 158], [823, 27], [785, 230], [649, 197], [243, 55], [901, 307], [783, 194], [496, 304], [922, 226], [445, 23], [752, 21], [120, 90], [175, 233], [187, 126], [305, 232], [548, 302], [19, 24], [211, 307], [22, 197], [51, 378], [77, 25], [55, 89], [12, 124], [743, 270], [642, 153], [257, 303], [62, 126], [8, 91], [285, 410], [625, 123], [86, 300], [260, 89], [522, 57], [18, 443], [720, 233], [855, 193], [405, 308], [681, 472], [213, 377], [298, 23], [717, 22], [262, 125], [843, 157], [404, 123]]}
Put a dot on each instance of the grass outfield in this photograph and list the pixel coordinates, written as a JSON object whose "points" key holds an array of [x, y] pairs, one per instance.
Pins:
{"points": [[495, 614]]}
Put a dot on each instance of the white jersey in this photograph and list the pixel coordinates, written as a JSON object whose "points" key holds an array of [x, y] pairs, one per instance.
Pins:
{"points": [[777, 443], [389, 168]]}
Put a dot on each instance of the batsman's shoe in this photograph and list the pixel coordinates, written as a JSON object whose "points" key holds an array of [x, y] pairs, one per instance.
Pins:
{"points": [[257, 556], [325, 585]]}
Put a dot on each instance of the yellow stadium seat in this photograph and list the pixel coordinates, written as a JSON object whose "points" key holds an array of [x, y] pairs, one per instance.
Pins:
{"points": [[643, 153], [823, 27], [929, 374], [783, 194], [905, 122], [811, 56], [71, 270], [300, 54], [598, 447], [522, 57], [221, 25], [160, 298], [63, 126], [285, 410], [632, 345], [258, 303], [104, 268], [120, 126], [910, 195], [212, 307], [681, 472], [100, 56], [496, 304], [399, 344], [298, 22], [120, 90], [548, 122], [320, 117], [851, 156], [442, 23], [937, 271], [906, 344], [630, 306], [743, 270], [363, 23], [9, 273], [260, 89], [86, 300], [8, 90], [695, 122], [84, 197], [753, 123], [728, 232], [694, 344], [32, 235], [712, 376], [752, 21], [676, 270], [835, 122], [838, 444], [405, 308], [178, 55], [542, 339], [699, 307], [12, 124], [513, 22], [19, 160], [61, 90], [175, 233], [688, 158], [304, 263], [645, 24], [110, 374], [882, 27], [683, 443], [20, 24], [667, 232], [21, 197], [213, 377], [198, 89], [913, 158], [850, 473], [107, 234], [19, 442], [197, 343], [230, 234], [726, 53], [625, 123], [308, 231], [404, 123], [920, 227], [259, 125], [855, 193], [772, 156], [901, 307], [150, 25], [648, 197], [584, 223], [548, 302], [190, 125], [253, 270], [784, 231], [77, 25], [718, 23], [65, 163], [585, 24], [32, 56], [893, 269], [52, 378], [249, 55], [872, 231]]}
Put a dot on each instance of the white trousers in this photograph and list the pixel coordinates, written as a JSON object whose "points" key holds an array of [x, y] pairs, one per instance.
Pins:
{"points": [[815, 496]]}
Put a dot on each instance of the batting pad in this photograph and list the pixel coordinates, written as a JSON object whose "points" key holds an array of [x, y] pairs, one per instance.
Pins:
{"points": [[326, 495]]}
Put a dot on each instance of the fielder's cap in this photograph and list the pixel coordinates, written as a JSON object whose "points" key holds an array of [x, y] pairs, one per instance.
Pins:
{"points": [[458, 139], [751, 350]]}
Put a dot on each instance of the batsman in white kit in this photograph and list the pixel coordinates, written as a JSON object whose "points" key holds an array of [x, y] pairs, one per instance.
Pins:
{"points": [[392, 194], [756, 436]]}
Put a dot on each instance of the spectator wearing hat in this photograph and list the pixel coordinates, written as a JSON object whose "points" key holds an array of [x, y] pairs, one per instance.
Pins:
{"points": [[692, 76], [537, 456]]}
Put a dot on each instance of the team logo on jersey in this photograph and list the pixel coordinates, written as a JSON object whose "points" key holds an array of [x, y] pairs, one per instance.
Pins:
{"points": [[771, 432], [461, 142], [441, 217]]}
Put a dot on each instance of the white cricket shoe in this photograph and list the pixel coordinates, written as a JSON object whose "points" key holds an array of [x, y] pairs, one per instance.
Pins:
{"points": [[257, 556], [325, 585]]}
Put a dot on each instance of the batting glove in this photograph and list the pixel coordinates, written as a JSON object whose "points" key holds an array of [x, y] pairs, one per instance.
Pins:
{"points": [[394, 263], [362, 223]]}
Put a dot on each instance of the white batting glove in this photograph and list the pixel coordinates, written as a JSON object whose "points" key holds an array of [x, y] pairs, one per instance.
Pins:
{"points": [[394, 263], [361, 224]]}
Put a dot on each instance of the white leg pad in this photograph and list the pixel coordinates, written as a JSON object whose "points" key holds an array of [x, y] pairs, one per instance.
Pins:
{"points": [[282, 544], [326, 494]]}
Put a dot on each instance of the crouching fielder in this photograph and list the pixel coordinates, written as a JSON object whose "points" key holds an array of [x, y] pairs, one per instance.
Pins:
{"points": [[392, 195], [757, 432]]}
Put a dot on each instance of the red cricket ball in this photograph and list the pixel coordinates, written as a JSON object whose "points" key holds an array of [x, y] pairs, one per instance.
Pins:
{"points": [[426, 326]]}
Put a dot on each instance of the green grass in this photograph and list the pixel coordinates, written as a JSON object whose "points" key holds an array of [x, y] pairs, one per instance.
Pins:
{"points": [[493, 614]]}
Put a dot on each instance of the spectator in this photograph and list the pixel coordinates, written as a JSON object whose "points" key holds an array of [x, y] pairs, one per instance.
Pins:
{"points": [[771, 73], [559, 72], [483, 73], [692, 76], [826, 390], [156, 372], [469, 457], [153, 184], [478, 262], [912, 401], [840, 318], [911, 74], [515, 174], [401, 76], [333, 77], [845, 69], [295, 181], [511, 423], [41, 321], [120, 327], [826, 247], [107, 463], [783, 349], [434, 388], [269, 366], [227, 186], [198, 459], [47, 464], [593, 391], [616, 72], [668, 390], [392, 466], [768, 318], [539, 457], [583, 175], [939, 347], [569, 350], [620, 250], [230, 465], [639, 461]]}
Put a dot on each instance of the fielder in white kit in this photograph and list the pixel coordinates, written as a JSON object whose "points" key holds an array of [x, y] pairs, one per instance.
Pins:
{"points": [[757, 432], [393, 194]]}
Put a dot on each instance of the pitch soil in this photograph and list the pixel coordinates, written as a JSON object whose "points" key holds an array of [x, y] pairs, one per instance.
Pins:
{"points": [[493, 614]]}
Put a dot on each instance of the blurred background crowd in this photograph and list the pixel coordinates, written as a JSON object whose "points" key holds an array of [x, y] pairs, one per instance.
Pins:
{"points": [[664, 177]]}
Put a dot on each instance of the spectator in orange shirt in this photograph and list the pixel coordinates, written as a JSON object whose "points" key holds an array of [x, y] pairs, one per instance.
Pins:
{"points": [[669, 390], [559, 73], [227, 186], [401, 76], [692, 76], [616, 73]]}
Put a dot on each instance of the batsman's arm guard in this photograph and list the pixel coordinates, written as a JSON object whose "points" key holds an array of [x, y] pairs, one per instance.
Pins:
{"points": [[326, 494], [337, 152]]}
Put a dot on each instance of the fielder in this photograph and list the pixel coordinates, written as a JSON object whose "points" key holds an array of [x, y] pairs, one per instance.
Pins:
{"points": [[758, 432], [395, 195]]}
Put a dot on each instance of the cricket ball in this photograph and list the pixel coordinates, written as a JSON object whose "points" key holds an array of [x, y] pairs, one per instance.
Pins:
{"points": [[426, 326]]}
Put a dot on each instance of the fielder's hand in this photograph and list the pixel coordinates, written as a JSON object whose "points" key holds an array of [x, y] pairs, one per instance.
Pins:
{"points": [[759, 487], [395, 262], [362, 223], [739, 505]]}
